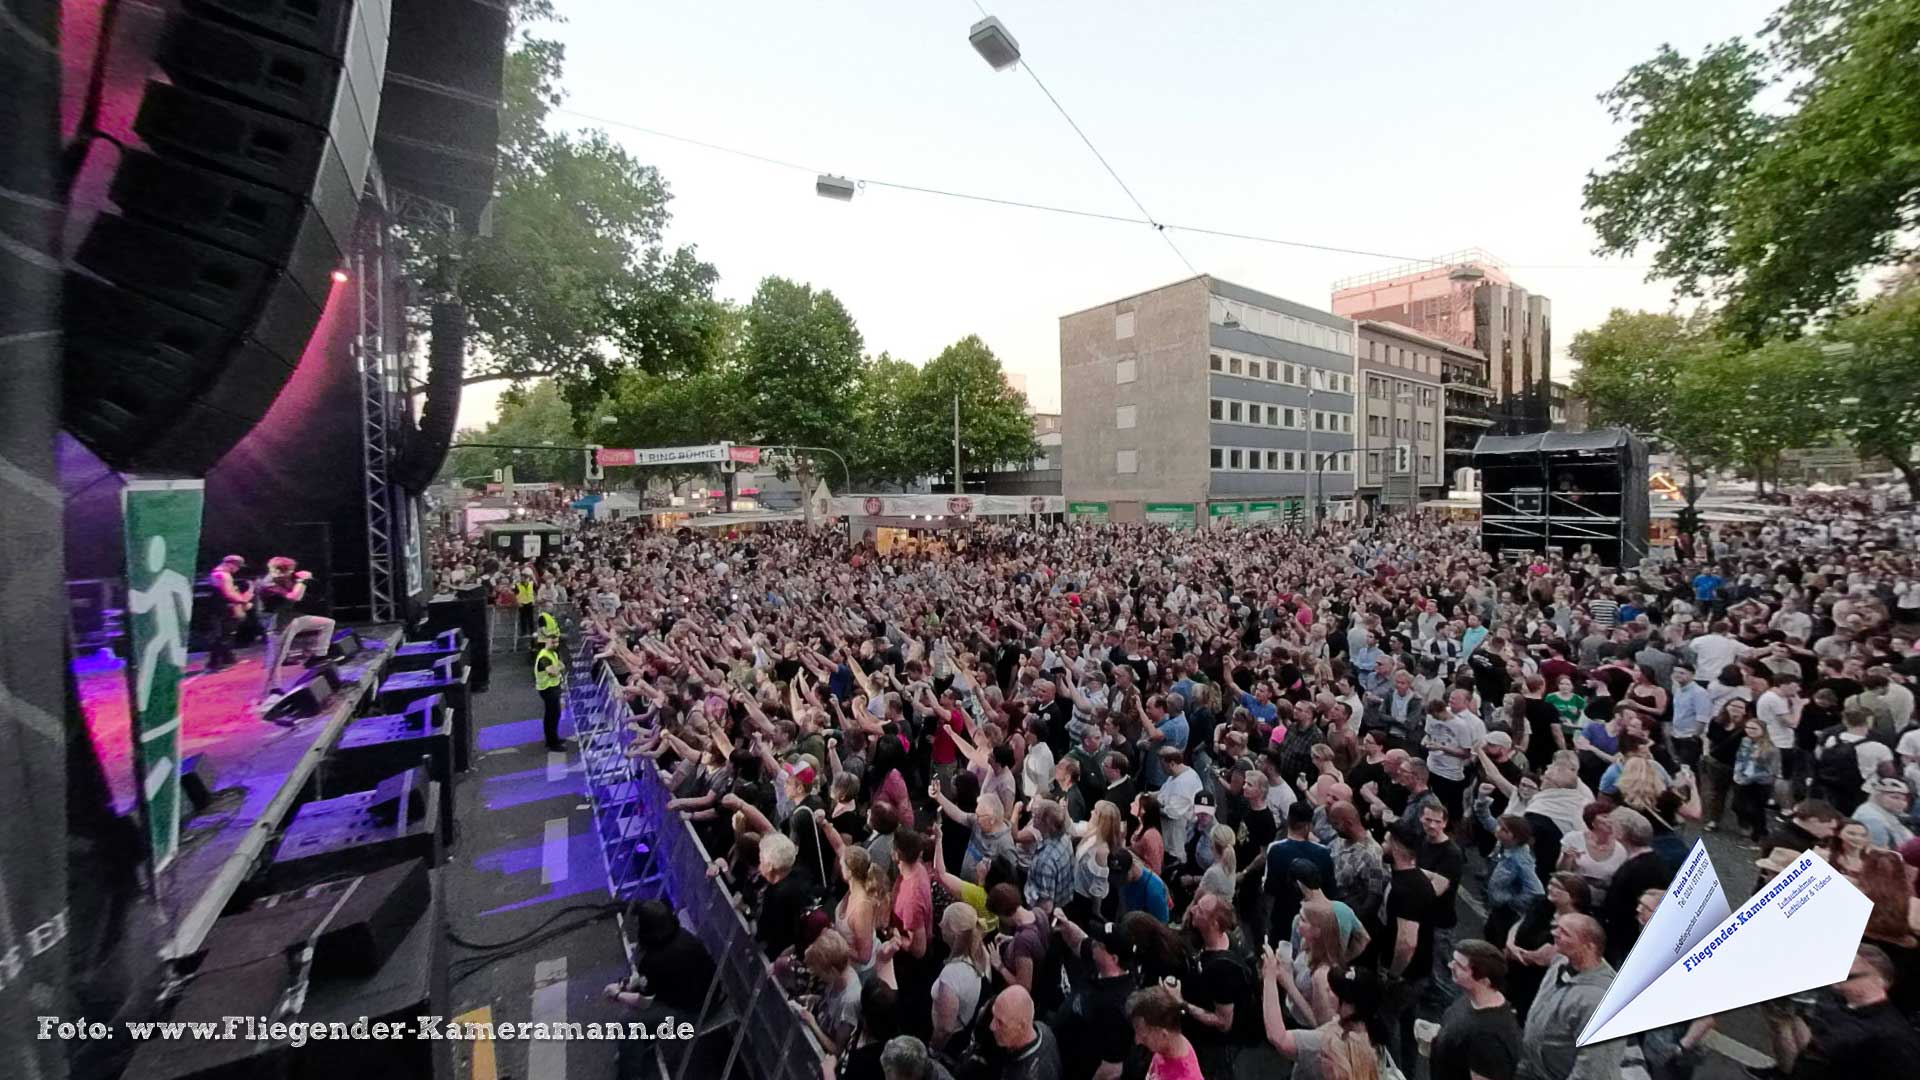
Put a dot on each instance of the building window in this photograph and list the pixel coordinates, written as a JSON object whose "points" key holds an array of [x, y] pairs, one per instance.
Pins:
{"points": [[1319, 421], [1426, 465], [1215, 408], [1213, 457], [1213, 362], [1253, 460], [1234, 459], [1123, 416], [1273, 371], [1286, 460], [1123, 326], [1273, 461], [1346, 423], [1273, 416], [1233, 365], [1126, 461], [1123, 372], [1373, 464], [1233, 412]]}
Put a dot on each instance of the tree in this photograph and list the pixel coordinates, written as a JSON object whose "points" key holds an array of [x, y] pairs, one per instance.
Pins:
{"points": [[1746, 407], [1627, 369], [1874, 357], [677, 409], [532, 416], [995, 428], [884, 448], [1777, 214], [799, 360], [573, 283]]}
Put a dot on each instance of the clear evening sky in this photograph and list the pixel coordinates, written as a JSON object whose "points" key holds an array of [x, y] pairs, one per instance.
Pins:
{"points": [[1410, 128]]}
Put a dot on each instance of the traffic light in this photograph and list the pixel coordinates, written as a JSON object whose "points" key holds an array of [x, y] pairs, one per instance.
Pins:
{"points": [[594, 471], [1689, 520]]}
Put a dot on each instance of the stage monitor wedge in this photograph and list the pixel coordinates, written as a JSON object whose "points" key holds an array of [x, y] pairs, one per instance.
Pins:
{"points": [[219, 215]]}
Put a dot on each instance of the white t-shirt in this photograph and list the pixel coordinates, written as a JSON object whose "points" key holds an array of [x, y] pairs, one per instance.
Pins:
{"points": [[1712, 652], [1454, 733], [1773, 711]]}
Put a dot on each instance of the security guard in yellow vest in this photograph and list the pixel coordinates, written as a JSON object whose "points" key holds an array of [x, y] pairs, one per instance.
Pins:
{"points": [[523, 599], [548, 627], [549, 673]]}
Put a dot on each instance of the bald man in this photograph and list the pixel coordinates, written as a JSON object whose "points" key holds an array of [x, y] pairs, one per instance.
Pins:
{"points": [[1031, 1053], [1572, 988]]}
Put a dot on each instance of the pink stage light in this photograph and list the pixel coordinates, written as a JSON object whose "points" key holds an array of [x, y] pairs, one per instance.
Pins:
{"points": [[339, 277]]}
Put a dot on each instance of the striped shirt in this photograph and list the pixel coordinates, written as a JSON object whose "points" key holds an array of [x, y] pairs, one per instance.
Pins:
{"points": [[1605, 612]]}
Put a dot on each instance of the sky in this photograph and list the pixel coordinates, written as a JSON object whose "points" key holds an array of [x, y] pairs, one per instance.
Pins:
{"points": [[1408, 129]]}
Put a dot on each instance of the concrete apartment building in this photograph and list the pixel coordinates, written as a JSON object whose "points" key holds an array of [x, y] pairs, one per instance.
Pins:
{"points": [[1467, 298], [1205, 402], [1401, 420]]}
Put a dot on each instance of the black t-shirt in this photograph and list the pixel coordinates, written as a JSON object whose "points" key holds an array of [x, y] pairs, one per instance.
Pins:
{"points": [[677, 973], [1541, 721], [1445, 859], [1870, 1043], [1368, 772], [1618, 912], [1410, 897], [780, 910], [1476, 1042], [1218, 977], [1279, 880]]}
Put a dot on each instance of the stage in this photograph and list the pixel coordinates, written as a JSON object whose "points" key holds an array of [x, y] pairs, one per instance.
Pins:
{"points": [[261, 767]]}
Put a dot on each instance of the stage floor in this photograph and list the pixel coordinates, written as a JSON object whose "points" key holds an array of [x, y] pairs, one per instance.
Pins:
{"points": [[215, 718], [253, 761]]}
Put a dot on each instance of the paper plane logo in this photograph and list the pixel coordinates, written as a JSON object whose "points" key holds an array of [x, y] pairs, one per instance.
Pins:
{"points": [[1697, 956]]}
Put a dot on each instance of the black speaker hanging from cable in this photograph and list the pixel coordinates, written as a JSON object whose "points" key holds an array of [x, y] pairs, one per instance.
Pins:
{"points": [[426, 448]]}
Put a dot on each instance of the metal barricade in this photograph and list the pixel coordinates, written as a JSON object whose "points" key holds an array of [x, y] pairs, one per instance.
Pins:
{"points": [[651, 852]]}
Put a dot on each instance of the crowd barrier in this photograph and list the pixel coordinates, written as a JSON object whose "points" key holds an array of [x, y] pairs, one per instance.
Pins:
{"points": [[651, 852]]}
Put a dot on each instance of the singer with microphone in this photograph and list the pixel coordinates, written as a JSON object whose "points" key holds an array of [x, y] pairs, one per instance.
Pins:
{"points": [[280, 596]]}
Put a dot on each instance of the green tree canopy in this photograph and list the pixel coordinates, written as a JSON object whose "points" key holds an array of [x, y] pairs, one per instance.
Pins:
{"points": [[1776, 213], [994, 426], [885, 449], [574, 283], [1874, 363], [531, 416], [1628, 365], [799, 362]]}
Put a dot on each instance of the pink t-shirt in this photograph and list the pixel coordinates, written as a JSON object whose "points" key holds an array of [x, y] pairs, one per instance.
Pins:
{"points": [[913, 902], [1184, 1068]]}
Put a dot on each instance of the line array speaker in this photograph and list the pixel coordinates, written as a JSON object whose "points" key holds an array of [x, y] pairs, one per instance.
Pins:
{"points": [[213, 224]]}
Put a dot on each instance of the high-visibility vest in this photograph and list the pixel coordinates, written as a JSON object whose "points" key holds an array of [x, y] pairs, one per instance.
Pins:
{"points": [[547, 671], [523, 592], [549, 625]]}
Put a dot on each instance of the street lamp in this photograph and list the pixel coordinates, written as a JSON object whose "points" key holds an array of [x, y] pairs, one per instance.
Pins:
{"points": [[995, 45], [838, 188]]}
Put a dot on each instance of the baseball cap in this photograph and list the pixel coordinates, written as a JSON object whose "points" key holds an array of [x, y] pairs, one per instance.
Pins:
{"points": [[801, 771], [1500, 739], [1110, 937]]}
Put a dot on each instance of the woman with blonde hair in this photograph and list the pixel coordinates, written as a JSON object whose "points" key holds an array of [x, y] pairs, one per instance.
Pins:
{"points": [[1098, 838], [957, 991], [863, 910], [1310, 1002], [1221, 876], [1640, 785], [1350, 1046]]}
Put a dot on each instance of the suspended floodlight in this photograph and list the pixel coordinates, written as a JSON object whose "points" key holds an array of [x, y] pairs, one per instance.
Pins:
{"points": [[1466, 273], [834, 187], [991, 40]]}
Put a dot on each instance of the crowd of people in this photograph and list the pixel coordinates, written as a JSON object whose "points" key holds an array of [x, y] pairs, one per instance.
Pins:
{"points": [[1361, 797]]}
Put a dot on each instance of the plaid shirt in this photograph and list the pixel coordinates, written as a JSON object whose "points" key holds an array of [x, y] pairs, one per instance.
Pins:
{"points": [[1050, 880]]}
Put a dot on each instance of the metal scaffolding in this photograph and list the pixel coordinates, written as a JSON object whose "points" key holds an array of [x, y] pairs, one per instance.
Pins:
{"points": [[371, 274]]}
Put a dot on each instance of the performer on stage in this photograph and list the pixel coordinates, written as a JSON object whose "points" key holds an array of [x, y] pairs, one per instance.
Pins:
{"points": [[280, 595], [549, 674], [233, 596]]}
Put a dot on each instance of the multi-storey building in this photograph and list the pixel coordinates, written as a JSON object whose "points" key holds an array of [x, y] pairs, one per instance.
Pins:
{"points": [[1206, 402], [1401, 453], [1468, 299]]}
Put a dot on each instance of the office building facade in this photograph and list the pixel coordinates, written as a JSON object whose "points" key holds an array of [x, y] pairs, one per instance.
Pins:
{"points": [[1401, 417], [1205, 402], [1468, 299]]}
